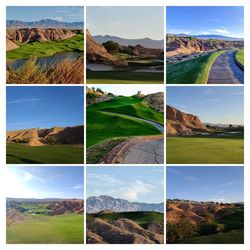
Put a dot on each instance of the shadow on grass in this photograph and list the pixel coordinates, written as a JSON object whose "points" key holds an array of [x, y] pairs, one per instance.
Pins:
{"points": [[23, 160]]}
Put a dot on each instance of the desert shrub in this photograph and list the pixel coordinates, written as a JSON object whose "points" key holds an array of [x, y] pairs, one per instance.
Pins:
{"points": [[28, 73], [53, 140], [64, 72], [207, 228], [111, 47], [67, 72], [232, 226], [180, 231]]}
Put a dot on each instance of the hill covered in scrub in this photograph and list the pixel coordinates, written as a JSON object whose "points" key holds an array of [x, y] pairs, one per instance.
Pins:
{"points": [[186, 45], [180, 123], [40, 137], [189, 221]]}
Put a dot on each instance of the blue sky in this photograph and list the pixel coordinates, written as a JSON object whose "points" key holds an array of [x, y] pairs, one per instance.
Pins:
{"points": [[44, 107], [45, 182], [206, 183], [212, 104], [36, 13], [141, 184], [131, 90], [198, 20], [126, 22]]}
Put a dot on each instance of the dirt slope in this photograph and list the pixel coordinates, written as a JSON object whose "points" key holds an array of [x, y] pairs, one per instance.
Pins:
{"points": [[177, 45], [61, 207], [180, 123], [28, 35], [121, 231], [96, 53], [40, 137]]}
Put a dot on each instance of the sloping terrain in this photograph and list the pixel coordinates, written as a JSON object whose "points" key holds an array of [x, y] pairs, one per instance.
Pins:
{"points": [[180, 123], [29, 35], [204, 222], [177, 45], [39, 137], [125, 228], [97, 53], [44, 221]]}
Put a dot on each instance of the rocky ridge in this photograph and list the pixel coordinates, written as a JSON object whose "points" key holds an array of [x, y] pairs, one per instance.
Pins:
{"points": [[180, 123]]}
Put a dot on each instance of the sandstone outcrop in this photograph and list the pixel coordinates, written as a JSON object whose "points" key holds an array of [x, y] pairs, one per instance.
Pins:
{"points": [[180, 123], [71, 206], [177, 45], [40, 137], [29, 35], [96, 53], [155, 101]]}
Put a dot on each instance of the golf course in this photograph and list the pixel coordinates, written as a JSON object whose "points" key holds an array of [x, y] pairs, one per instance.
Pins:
{"points": [[116, 120], [205, 149], [49, 154], [195, 70]]}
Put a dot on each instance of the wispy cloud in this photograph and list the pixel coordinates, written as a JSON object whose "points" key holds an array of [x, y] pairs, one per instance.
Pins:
{"points": [[30, 177], [78, 186], [24, 100]]}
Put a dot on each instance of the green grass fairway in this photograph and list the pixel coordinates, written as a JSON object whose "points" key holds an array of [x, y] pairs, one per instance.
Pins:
{"points": [[102, 126], [39, 229], [192, 71], [52, 154], [49, 48], [205, 150], [142, 218], [233, 237], [239, 56], [124, 77]]}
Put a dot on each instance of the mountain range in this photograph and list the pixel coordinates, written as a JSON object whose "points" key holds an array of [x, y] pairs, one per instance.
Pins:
{"points": [[212, 36], [96, 204], [44, 23], [146, 42]]}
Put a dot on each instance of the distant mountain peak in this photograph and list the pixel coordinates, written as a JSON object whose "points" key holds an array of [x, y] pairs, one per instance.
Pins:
{"points": [[96, 204]]}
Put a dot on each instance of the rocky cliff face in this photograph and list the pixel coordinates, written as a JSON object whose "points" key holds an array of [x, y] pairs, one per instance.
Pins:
{"points": [[40, 137], [61, 207], [180, 123], [28, 35], [96, 53], [177, 45], [155, 101], [96, 204]]}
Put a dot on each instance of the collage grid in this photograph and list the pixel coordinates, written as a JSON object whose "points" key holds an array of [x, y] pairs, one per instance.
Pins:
{"points": [[129, 199]]}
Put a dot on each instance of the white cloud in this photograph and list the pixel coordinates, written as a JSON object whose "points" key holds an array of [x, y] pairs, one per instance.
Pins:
{"points": [[29, 177], [221, 31], [78, 186], [24, 100], [57, 18], [133, 192]]}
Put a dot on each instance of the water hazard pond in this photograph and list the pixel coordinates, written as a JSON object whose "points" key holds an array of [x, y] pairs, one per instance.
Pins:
{"points": [[46, 61]]}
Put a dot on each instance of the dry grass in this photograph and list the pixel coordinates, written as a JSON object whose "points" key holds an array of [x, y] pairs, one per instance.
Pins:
{"points": [[64, 72]]}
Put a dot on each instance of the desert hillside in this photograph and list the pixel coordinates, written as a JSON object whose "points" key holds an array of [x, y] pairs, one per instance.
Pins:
{"points": [[40, 137], [180, 123], [29, 35], [97, 53], [185, 45], [155, 101], [125, 228]]}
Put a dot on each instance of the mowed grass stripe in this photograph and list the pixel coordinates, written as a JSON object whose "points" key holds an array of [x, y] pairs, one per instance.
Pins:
{"points": [[193, 71], [184, 150], [48, 48], [42, 229], [20, 154], [239, 56], [102, 126]]}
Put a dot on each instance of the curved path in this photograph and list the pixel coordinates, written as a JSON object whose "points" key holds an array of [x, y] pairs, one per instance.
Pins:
{"points": [[145, 151], [225, 70]]}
